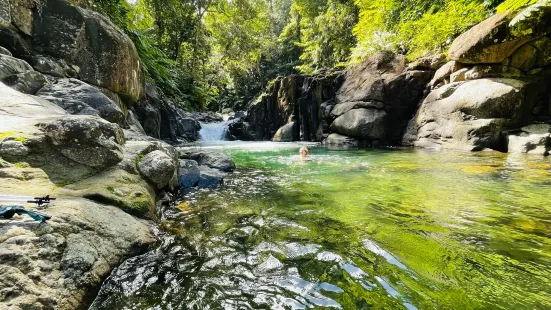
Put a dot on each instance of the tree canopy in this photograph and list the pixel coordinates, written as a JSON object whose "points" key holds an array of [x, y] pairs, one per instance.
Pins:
{"points": [[221, 53]]}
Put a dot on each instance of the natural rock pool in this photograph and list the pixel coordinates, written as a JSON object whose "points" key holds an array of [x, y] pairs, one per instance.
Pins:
{"points": [[357, 229]]}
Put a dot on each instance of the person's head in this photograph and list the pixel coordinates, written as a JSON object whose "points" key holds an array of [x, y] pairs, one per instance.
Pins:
{"points": [[303, 151]]}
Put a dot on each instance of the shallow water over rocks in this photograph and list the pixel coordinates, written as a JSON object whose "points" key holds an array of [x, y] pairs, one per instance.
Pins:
{"points": [[357, 229]]}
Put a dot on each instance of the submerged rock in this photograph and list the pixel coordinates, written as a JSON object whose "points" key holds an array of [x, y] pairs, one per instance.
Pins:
{"points": [[189, 173], [340, 140], [209, 177], [213, 160]]}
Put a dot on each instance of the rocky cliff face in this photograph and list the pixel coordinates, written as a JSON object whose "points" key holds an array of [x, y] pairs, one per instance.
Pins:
{"points": [[369, 103], [77, 122], [297, 102], [486, 94], [495, 84], [78, 59]]}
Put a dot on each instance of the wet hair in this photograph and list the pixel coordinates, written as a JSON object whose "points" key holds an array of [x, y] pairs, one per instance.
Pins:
{"points": [[305, 149]]}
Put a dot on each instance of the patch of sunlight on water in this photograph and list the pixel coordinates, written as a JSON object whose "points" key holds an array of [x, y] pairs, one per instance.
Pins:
{"points": [[356, 229]]}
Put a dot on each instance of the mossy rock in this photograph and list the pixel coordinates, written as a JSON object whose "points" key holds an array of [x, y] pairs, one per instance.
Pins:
{"points": [[118, 188]]}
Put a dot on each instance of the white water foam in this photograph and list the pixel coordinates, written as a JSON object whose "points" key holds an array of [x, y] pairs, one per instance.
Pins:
{"points": [[214, 131]]}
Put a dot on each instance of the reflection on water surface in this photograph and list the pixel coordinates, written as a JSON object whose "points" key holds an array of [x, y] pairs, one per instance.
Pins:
{"points": [[358, 229]]}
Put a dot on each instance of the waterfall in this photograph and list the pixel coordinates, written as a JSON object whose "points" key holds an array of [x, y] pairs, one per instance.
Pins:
{"points": [[214, 131]]}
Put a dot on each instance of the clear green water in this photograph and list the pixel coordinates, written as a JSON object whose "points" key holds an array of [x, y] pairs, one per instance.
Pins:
{"points": [[359, 229]]}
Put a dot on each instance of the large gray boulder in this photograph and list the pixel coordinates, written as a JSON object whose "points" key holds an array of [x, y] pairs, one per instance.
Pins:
{"points": [[189, 173], [287, 133], [11, 66], [213, 160], [88, 140], [158, 168], [77, 97], [362, 124], [365, 82], [469, 115], [105, 55]]}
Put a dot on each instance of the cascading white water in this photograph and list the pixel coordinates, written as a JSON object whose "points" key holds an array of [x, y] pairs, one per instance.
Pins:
{"points": [[214, 131]]}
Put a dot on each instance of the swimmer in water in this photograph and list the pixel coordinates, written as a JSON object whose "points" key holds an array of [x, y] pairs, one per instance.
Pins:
{"points": [[304, 153]]}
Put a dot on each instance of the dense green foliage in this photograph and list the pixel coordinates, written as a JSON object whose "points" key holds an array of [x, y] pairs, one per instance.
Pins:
{"points": [[220, 53]]}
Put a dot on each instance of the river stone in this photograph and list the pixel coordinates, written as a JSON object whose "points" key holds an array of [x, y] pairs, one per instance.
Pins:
{"points": [[340, 140], [4, 51], [537, 144], [29, 82], [213, 160], [342, 108], [287, 133], [13, 148], [209, 178], [488, 42], [363, 124], [5, 14], [468, 115], [189, 173], [10, 66], [77, 97], [106, 56], [158, 168], [88, 140]]}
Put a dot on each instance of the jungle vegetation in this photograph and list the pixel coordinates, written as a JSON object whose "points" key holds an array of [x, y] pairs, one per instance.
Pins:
{"points": [[214, 54]]}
